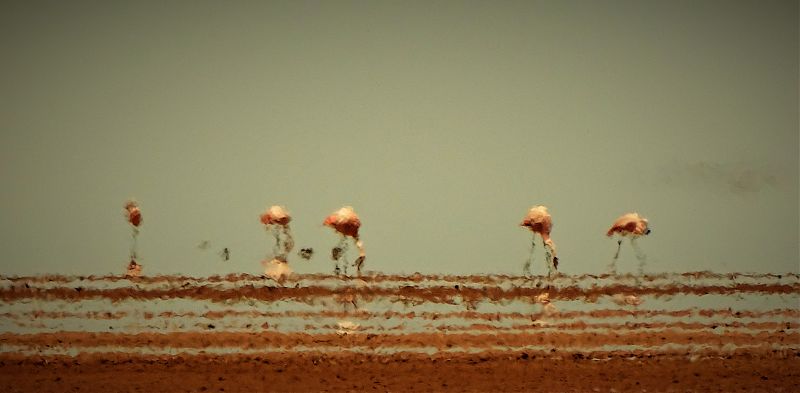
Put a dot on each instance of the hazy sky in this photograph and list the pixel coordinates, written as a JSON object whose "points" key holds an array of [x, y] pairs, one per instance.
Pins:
{"points": [[440, 122]]}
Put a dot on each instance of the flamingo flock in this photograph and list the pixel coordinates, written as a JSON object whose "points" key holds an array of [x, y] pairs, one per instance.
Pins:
{"points": [[346, 223]]}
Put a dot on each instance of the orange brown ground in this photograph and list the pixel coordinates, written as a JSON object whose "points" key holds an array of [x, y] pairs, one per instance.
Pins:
{"points": [[356, 372], [431, 294], [250, 340]]}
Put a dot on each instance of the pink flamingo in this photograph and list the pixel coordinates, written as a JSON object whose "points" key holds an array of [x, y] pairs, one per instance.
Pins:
{"points": [[134, 217], [345, 221], [632, 226], [538, 220], [277, 219]]}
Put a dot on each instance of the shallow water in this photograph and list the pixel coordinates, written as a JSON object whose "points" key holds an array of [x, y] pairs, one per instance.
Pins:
{"points": [[626, 313]]}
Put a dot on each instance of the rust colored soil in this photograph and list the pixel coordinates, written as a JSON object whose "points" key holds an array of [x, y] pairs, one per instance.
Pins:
{"points": [[475, 373], [447, 295], [413, 340]]}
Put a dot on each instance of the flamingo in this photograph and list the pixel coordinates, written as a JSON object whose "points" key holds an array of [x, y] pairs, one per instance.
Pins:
{"points": [[134, 217], [345, 221], [632, 226], [277, 219], [538, 220]]}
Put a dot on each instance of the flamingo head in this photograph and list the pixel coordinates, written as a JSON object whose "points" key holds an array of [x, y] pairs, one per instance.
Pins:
{"points": [[526, 223], [646, 230], [536, 227]]}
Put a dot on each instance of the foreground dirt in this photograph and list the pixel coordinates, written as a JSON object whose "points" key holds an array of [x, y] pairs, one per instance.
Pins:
{"points": [[248, 340], [351, 372]]}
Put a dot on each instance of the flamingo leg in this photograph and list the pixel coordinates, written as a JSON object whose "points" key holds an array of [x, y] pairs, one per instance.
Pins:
{"points": [[359, 262], [338, 253], [361, 255], [612, 267], [288, 243], [548, 254], [343, 255], [277, 235], [134, 242], [526, 269], [640, 255]]}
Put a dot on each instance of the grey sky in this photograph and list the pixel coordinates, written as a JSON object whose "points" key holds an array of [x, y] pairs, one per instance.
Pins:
{"points": [[440, 122]]}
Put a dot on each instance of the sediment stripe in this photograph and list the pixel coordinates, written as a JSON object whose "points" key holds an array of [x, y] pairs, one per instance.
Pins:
{"points": [[41, 314], [565, 286], [469, 315], [572, 328], [487, 316], [677, 326], [691, 351], [597, 314], [436, 340], [449, 295], [369, 323], [314, 357], [491, 279]]}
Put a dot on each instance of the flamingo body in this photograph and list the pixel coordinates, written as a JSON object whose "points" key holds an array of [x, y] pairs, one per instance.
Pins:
{"points": [[630, 224], [345, 221], [277, 215], [133, 214]]}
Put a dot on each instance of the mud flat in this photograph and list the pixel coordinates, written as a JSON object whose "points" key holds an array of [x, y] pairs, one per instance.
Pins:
{"points": [[508, 372], [435, 294], [660, 333], [441, 341]]}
